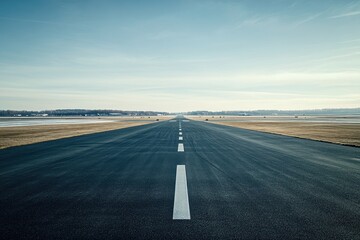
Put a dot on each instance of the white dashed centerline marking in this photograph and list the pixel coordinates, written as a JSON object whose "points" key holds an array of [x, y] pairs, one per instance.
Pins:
{"points": [[180, 133], [181, 199], [181, 138], [181, 147]]}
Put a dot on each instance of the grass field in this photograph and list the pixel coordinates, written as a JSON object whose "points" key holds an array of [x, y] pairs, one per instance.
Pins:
{"points": [[16, 136], [328, 131]]}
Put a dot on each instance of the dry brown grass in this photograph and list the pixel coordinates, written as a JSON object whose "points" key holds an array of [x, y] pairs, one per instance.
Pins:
{"points": [[16, 136], [340, 133]]}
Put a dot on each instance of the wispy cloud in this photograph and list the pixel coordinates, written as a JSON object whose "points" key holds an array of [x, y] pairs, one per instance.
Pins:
{"points": [[258, 21], [348, 14], [307, 19], [351, 41], [346, 55], [164, 35]]}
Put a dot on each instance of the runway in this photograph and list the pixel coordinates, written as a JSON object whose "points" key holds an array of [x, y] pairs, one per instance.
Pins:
{"points": [[180, 179]]}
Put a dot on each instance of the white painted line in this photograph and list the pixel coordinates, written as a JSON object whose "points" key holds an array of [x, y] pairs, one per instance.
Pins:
{"points": [[181, 199], [185, 120], [179, 129], [180, 138], [181, 147], [180, 133]]}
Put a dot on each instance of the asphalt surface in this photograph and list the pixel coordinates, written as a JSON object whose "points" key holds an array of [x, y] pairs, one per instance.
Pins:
{"points": [[120, 184]]}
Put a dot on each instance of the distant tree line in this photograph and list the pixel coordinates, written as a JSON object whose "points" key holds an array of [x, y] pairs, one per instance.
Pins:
{"points": [[76, 112], [338, 111], [86, 112]]}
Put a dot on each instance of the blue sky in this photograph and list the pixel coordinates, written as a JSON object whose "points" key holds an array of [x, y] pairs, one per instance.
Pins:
{"points": [[179, 55]]}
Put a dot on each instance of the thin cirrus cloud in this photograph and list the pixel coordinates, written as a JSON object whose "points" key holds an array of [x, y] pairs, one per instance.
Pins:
{"points": [[307, 19], [348, 14]]}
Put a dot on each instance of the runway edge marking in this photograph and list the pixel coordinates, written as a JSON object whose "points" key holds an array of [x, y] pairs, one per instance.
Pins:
{"points": [[181, 199]]}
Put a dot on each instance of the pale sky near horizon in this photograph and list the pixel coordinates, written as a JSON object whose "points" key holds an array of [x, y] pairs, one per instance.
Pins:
{"points": [[179, 55]]}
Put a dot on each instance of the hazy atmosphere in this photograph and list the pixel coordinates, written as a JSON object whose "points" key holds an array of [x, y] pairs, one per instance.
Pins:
{"points": [[179, 119], [179, 55]]}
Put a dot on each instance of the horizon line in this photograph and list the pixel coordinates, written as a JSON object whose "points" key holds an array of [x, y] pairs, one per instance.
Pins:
{"points": [[254, 110]]}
